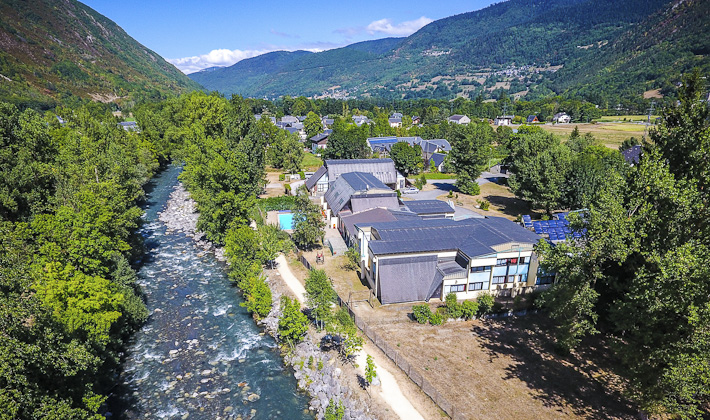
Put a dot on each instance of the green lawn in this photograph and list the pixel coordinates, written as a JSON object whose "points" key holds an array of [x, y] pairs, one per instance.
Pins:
{"points": [[436, 175], [615, 118], [311, 161]]}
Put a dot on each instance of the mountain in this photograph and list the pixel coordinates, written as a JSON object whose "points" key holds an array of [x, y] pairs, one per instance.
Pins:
{"points": [[52, 51], [525, 47]]}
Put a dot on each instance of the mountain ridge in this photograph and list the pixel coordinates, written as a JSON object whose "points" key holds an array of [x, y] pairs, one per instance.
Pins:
{"points": [[532, 48], [58, 51]]}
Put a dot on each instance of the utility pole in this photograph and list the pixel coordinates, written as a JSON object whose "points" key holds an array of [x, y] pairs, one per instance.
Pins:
{"points": [[648, 118]]}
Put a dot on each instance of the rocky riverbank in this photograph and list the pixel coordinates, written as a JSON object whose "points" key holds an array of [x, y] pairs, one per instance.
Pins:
{"points": [[180, 215], [316, 371]]}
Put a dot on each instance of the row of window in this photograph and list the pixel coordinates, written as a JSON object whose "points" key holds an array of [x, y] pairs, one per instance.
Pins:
{"points": [[462, 287], [506, 279], [510, 261]]}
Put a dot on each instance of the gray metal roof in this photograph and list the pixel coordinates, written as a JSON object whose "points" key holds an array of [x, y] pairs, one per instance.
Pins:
{"points": [[443, 144], [407, 279], [382, 169], [362, 185], [438, 158], [473, 237], [373, 215], [313, 179], [450, 268], [362, 203], [428, 206]]}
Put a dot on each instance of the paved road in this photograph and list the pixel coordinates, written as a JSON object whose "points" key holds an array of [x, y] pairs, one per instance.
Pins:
{"points": [[443, 186]]}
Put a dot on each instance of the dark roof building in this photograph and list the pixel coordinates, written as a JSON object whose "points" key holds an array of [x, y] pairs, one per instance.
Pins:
{"points": [[632, 156], [382, 169], [358, 191], [415, 260], [430, 208]]}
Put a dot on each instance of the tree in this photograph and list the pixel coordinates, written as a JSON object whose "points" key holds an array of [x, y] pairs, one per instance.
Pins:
{"points": [[308, 222], [347, 141], [640, 276], [407, 159], [334, 411], [370, 371], [286, 152], [589, 172], [470, 150], [342, 325], [485, 303], [242, 248], [319, 294], [257, 296], [293, 324], [312, 124], [539, 165]]}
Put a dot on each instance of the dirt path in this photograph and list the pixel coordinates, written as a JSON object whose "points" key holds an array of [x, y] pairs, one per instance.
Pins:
{"points": [[290, 280], [390, 390]]}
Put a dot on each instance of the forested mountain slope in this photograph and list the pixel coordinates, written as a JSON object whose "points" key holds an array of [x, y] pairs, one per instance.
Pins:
{"points": [[54, 50], [531, 48]]}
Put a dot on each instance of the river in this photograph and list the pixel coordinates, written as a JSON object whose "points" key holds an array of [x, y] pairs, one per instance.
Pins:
{"points": [[200, 355]]}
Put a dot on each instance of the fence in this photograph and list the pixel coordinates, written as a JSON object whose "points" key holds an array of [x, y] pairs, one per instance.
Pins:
{"points": [[402, 363], [304, 261]]}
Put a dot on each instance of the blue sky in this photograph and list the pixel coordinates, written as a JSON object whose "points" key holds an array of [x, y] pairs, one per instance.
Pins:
{"points": [[197, 34]]}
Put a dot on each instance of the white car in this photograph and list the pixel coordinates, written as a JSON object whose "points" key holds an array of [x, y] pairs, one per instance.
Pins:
{"points": [[410, 190]]}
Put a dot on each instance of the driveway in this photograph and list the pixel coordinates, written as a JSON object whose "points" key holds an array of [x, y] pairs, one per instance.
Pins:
{"points": [[443, 186]]}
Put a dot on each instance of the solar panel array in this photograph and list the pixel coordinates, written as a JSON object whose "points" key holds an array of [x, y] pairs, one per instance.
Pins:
{"points": [[557, 230]]}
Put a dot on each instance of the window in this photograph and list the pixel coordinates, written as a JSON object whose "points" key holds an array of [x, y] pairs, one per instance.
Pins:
{"points": [[475, 286], [545, 280], [498, 279], [522, 260], [502, 261], [457, 288], [481, 269]]}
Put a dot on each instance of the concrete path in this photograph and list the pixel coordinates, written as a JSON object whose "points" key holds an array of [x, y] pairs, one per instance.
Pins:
{"points": [[389, 388]]}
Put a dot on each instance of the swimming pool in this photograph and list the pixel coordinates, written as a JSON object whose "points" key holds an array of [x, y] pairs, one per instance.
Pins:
{"points": [[286, 221]]}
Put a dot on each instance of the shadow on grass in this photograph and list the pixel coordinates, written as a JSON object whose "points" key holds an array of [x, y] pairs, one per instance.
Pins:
{"points": [[579, 382], [509, 205]]}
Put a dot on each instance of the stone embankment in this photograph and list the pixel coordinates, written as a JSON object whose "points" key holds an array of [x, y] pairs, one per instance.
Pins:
{"points": [[315, 370]]}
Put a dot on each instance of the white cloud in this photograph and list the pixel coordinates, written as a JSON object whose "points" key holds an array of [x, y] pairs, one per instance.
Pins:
{"points": [[386, 26], [220, 57], [225, 57]]}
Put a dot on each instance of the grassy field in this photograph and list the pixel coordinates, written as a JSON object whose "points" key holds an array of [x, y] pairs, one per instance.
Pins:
{"points": [[610, 134], [622, 118], [436, 175], [311, 162]]}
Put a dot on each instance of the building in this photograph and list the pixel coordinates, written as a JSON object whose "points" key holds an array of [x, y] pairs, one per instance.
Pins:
{"points": [[395, 122], [288, 119], [356, 192], [561, 118], [504, 120], [459, 119], [383, 145], [418, 260], [438, 160], [130, 126], [327, 122], [416, 120], [632, 156], [382, 169], [360, 120], [319, 142], [431, 209], [532, 119]]}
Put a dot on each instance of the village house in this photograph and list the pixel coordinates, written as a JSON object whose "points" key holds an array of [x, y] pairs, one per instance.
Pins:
{"points": [[532, 119], [561, 118], [438, 160], [130, 126], [383, 145], [459, 119], [504, 120], [319, 142], [395, 122]]}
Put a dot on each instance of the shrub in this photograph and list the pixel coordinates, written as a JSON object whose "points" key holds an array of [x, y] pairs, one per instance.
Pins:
{"points": [[436, 318], [484, 204], [422, 313], [288, 188], [520, 303], [352, 261], [302, 175], [453, 309], [485, 303], [293, 324], [469, 308], [282, 177], [257, 296]]}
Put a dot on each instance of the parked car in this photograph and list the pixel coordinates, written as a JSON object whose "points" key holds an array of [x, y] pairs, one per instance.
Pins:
{"points": [[410, 190]]}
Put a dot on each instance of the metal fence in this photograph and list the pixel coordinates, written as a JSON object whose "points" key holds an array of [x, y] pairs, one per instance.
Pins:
{"points": [[304, 261]]}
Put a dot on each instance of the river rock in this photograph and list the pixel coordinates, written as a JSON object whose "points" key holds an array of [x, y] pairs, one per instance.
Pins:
{"points": [[253, 397]]}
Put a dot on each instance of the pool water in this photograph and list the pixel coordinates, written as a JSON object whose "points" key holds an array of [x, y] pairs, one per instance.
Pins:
{"points": [[286, 221]]}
